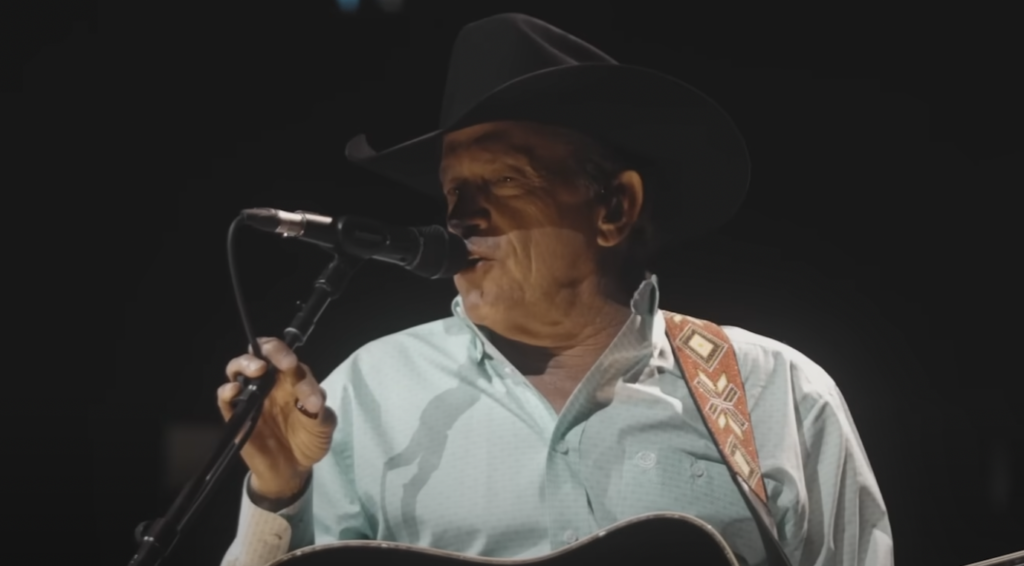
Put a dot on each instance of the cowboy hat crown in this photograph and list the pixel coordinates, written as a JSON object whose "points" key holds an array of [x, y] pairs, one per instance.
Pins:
{"points": [[692, 158]]}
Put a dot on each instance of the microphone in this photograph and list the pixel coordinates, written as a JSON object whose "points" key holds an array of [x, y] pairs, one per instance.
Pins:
{"points": [[428, 251]]}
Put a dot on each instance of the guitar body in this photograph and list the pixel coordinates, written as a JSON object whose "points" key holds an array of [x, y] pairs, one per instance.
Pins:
{"points": [[651, 540]]}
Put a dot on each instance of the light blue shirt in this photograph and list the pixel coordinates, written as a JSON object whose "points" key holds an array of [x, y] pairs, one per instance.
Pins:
{"points": [[442, 443]]}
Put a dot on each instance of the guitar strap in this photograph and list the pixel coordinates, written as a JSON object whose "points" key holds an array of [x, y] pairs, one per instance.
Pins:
{"points": [[712, 374]]}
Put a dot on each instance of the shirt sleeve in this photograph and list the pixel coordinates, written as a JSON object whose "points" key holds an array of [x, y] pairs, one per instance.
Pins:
{"points": [[843, 519], [264, 536], [329, 511]]}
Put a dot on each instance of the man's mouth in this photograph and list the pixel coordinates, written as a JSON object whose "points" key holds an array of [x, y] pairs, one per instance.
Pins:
{"points": [[475, 260]]}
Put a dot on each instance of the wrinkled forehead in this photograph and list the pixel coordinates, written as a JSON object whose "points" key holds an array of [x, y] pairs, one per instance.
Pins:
{"points": [[525, 144]]}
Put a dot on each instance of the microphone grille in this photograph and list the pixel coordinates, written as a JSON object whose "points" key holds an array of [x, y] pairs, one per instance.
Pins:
{"points": [[443, 255]]}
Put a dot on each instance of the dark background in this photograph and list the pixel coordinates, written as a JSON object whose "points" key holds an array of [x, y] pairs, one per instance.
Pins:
{"points": [[877, 237]]}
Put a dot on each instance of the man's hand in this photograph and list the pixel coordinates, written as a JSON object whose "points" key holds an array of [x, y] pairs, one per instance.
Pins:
{"points": [[286, 443]]}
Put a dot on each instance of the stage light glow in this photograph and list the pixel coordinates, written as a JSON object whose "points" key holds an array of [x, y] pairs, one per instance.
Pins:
{"points": [[352, 6]]}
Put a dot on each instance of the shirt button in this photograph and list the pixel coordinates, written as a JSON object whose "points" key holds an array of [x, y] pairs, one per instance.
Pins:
{"points": [[698, 471], [562, 447], [646, 459], [570, 536]]}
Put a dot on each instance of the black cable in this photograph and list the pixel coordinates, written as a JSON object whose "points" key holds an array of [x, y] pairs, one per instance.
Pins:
{"points": [[242, 311], [156, 538]]}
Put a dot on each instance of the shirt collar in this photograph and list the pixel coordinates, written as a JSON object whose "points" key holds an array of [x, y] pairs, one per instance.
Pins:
{"points": [[638, 334]]}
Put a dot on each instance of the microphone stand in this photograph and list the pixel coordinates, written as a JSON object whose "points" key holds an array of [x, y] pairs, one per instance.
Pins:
{"points": [[157, 537]]}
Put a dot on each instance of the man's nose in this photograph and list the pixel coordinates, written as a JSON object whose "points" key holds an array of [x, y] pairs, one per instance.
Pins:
{"points": [[468, 217]]}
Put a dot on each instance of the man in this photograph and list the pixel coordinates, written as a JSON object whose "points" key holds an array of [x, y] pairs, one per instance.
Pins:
{"points": [[551, 404]]}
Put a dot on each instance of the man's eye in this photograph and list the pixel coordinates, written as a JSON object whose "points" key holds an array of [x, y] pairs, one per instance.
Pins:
{"points": [[505, 179]]}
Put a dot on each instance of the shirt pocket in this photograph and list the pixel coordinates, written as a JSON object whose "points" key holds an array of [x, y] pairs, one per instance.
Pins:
{"points": [[654, 478], [667, 478]]}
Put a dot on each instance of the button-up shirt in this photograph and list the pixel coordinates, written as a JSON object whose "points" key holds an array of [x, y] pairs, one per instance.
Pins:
{"points": [[443, 443]]}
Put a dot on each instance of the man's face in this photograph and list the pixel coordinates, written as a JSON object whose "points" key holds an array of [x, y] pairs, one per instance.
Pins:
{"points": [[513, 194]]}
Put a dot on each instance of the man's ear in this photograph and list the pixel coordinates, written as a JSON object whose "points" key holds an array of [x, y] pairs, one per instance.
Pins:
{"points": [[619, 207]]}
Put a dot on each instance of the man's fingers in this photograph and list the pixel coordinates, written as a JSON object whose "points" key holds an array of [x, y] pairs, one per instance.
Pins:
{"points": [[292, 374], [278, 353], [225, 393], [247, 365]]}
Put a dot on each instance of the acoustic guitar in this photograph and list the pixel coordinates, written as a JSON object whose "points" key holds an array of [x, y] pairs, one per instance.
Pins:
{"points": [[652, 540], [655, 539]]}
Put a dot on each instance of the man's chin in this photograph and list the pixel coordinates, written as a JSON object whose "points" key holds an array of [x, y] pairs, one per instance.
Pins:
{"points": [[475, 306]]}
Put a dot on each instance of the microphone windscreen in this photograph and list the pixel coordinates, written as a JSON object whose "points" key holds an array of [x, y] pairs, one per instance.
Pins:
{"points": [[444, 254]]}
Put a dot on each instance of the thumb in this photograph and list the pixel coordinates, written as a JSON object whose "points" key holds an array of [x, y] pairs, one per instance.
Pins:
{"points": [[308, 391]]}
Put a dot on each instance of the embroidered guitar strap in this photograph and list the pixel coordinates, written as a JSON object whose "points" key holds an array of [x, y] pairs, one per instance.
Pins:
{"points": [[713, 376], [711, 371]]}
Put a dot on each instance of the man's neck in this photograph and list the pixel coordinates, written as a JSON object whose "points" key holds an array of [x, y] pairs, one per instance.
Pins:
{"points": [[568, 358]]}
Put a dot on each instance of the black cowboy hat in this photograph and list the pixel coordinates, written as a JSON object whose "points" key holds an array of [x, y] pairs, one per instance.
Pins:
{"points": [[513, 67]]}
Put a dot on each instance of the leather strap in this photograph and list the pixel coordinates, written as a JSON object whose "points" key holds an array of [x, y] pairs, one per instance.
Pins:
{"points": [[712, 373]]}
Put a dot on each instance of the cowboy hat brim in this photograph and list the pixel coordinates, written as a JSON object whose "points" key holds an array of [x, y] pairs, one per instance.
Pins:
{"points": [[693, 158]]}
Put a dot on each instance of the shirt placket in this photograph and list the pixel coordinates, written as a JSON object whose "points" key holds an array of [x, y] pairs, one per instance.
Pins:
{"points": [[566, 499], [569, 514]]}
